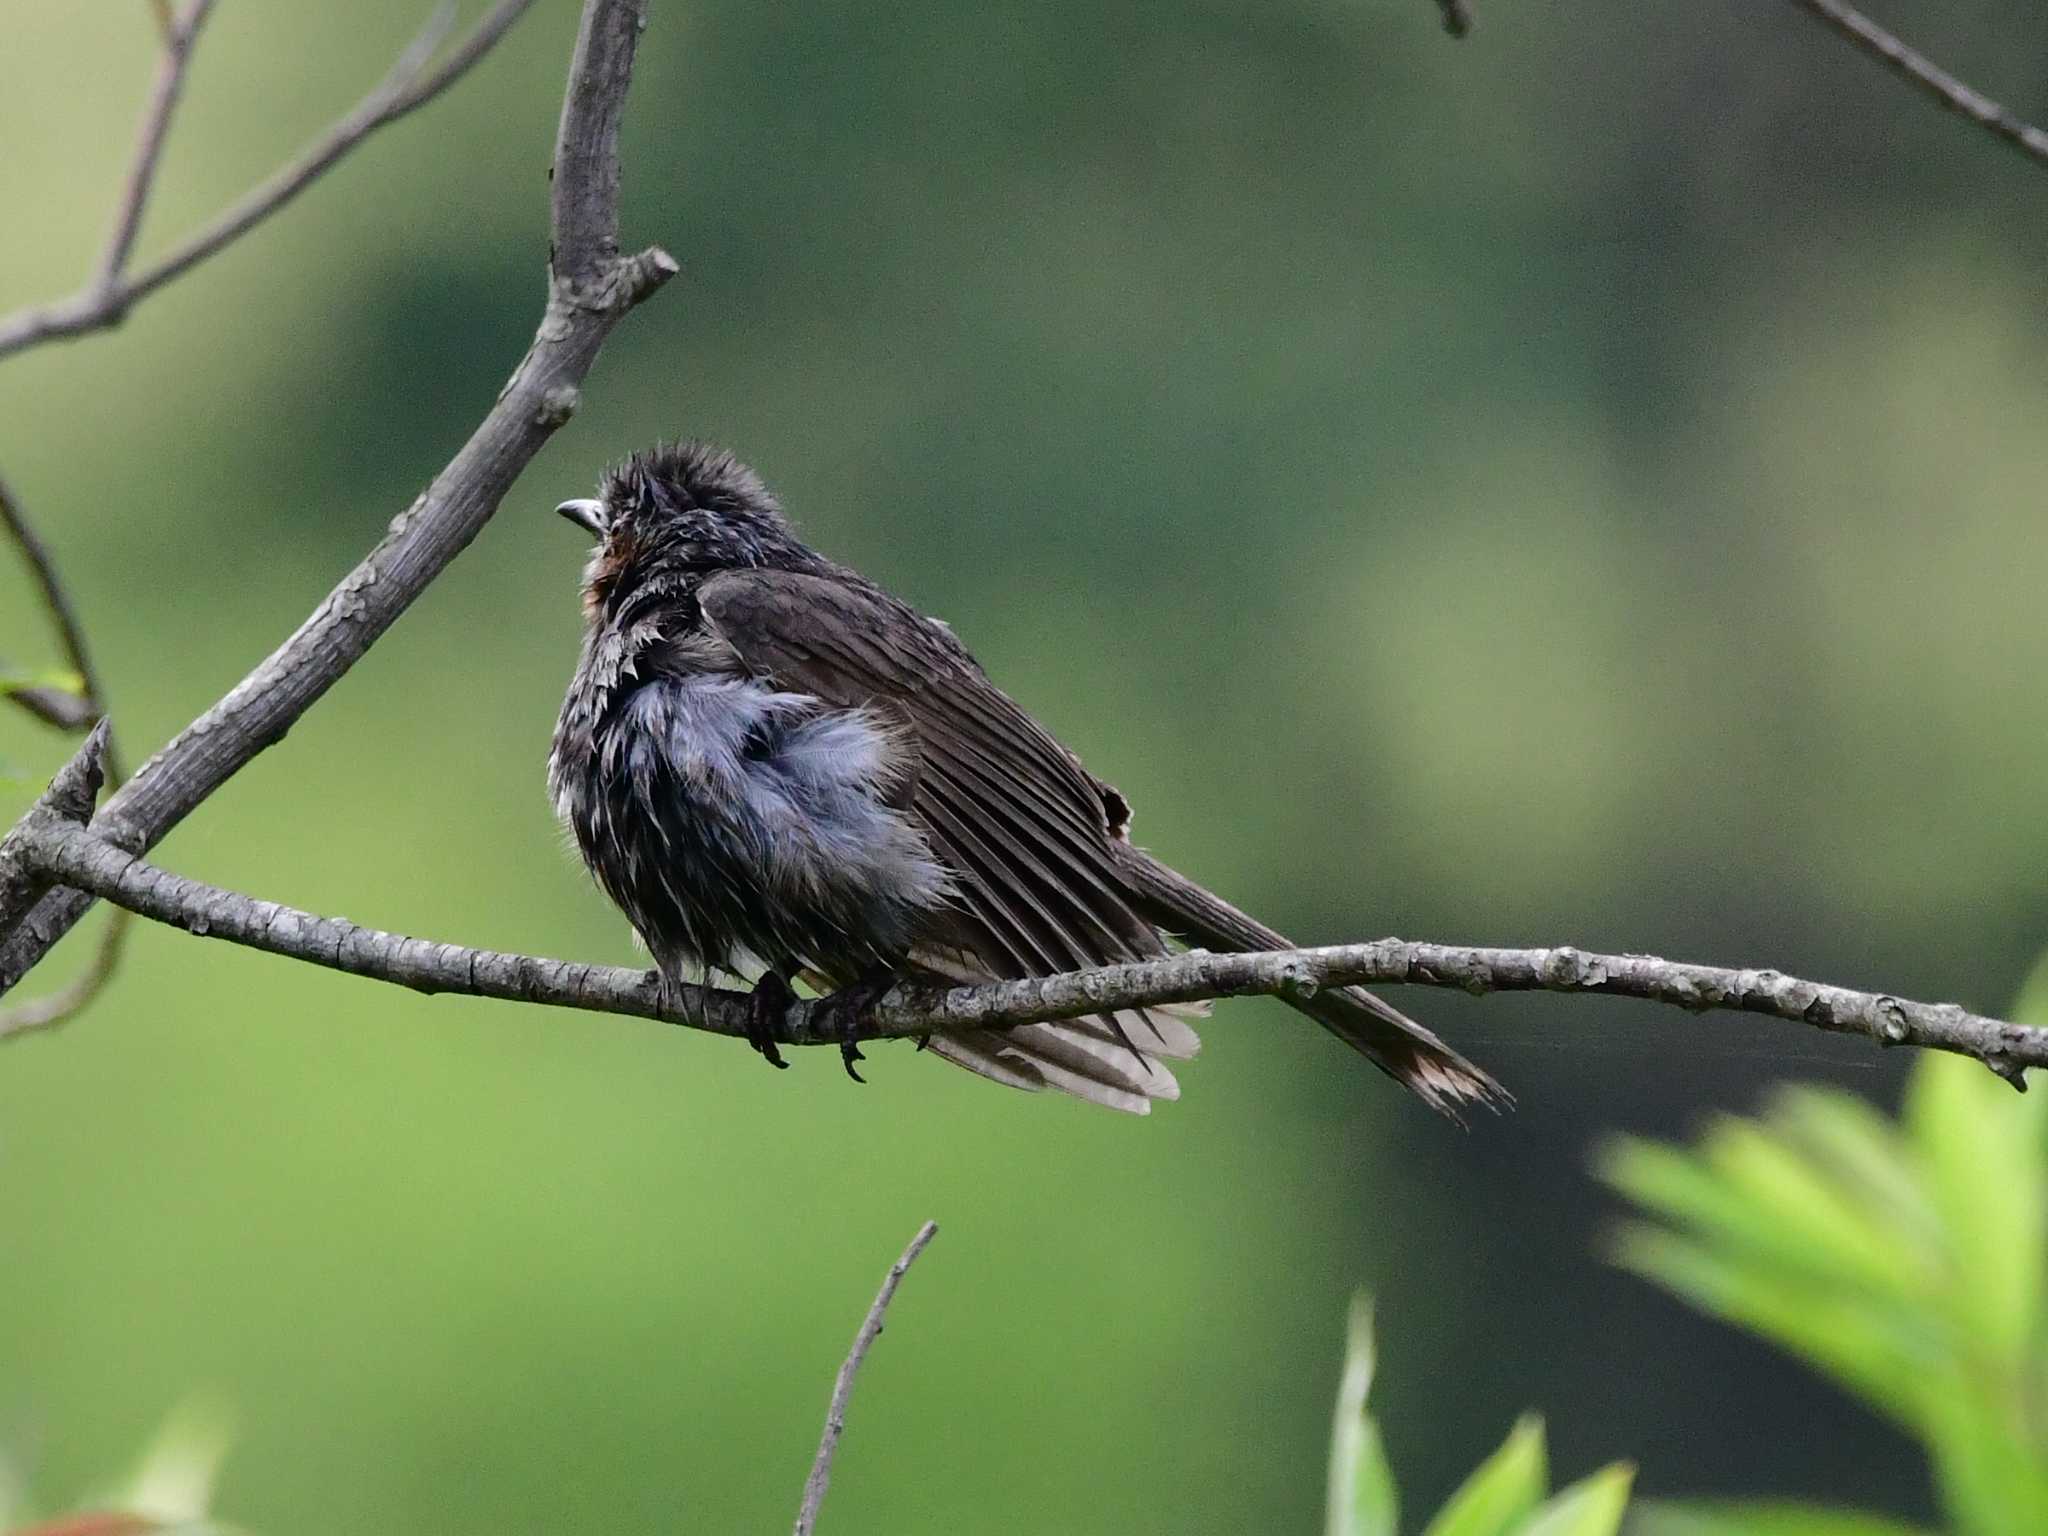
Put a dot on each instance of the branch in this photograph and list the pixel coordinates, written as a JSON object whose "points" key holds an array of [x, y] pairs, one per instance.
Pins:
{"points": [[583, 216], [63, 617], [25, 870], [70, 712], [179, 36], [71, 998], [543, 392], [1929, 76], [74, 856], [842, 1385], [409, 85]]}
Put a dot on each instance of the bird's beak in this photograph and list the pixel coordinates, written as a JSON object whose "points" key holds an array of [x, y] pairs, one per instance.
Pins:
{"points": [[585, 514]]}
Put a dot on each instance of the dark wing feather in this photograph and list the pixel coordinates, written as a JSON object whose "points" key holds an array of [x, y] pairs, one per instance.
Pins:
{"points": [[1014, 817], [1047, 879], [1006, 806]]}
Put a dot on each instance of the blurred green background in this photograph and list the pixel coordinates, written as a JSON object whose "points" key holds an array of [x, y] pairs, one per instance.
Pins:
{"points": [[1579, 484]]}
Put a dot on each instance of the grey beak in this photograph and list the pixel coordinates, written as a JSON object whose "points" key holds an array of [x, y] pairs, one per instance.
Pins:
{"points": [[585, 514]]}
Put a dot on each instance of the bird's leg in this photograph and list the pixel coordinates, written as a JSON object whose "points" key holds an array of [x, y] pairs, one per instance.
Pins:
{"points": [[768, 1006], [848, 1005]]}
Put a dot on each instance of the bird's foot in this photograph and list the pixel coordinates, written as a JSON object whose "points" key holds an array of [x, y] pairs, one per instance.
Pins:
{"points": [[767, 1007], [845, 1008]]}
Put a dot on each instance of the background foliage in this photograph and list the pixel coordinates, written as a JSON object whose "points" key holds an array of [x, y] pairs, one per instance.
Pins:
{"points": [[1577, 484], [1507, 1495], [1909, 1261]]}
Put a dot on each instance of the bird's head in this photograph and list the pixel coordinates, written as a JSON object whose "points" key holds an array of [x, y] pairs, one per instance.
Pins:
{"points": [[681, 510]]}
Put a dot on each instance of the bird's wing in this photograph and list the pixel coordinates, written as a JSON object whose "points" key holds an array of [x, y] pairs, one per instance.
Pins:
{"points": [[1022, 825]]}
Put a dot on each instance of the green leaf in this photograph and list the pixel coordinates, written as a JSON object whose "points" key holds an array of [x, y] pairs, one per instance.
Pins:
{"points": [[1593, 1506], [1363, 1499], [15, 679], [1757, 1198], [1980, 1147], [1811, 1221], [1864, 1150], [1909, 1261], [1506, 1487], [1878, 1350], [1760, 1519], [1991, 1473]]}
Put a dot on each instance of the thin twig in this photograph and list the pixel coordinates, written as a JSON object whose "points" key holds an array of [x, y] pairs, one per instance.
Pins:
{"points": [[42, 1012], [1929, 76], [76, 994], [75, 857], [1457, 16], [179, 39], [842, 1386], [420, 51], [409, 85], [63, 615], [584, 304], [166, 24]]}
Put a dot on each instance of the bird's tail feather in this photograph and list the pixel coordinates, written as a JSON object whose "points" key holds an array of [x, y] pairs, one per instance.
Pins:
{"points": [[1116, 1060], [1385, 1036]]}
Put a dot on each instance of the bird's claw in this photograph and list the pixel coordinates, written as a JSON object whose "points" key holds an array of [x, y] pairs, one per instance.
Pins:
{"points": [[847, 1007], [767, 1005]]}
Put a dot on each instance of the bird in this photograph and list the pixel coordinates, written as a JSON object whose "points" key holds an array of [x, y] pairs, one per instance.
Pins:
{"points": [[779, 771]]}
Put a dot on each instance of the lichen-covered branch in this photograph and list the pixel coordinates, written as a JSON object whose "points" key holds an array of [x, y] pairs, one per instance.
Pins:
{"points": [[1928, 76], [113, 290], [591, 291], [66, 852], [26, 868]]}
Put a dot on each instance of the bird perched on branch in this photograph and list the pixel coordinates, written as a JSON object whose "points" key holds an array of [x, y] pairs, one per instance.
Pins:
{"points": [[777, 769]]}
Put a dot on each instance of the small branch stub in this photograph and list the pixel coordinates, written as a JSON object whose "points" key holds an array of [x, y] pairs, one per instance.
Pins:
{"points": [[24, 871]]}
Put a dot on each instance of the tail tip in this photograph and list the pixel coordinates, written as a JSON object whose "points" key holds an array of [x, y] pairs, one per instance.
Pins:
{"points": [[1451, 1085]]}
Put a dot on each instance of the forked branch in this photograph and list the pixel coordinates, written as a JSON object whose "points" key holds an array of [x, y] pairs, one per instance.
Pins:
{"points": [[113, 290], [591, 291]]}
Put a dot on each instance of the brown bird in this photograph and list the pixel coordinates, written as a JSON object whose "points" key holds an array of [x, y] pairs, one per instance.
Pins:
{"points": [[779, 770]]}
